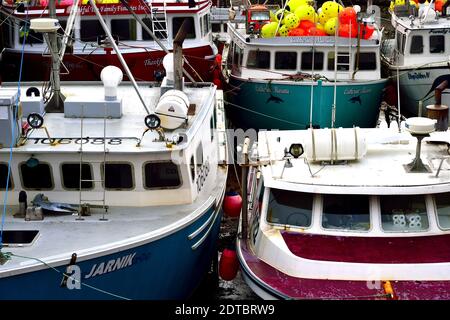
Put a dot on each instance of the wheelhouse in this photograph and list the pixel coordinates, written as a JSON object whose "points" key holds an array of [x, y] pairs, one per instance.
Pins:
{"points": [[285, 58], [88, 33], [356, 214]]}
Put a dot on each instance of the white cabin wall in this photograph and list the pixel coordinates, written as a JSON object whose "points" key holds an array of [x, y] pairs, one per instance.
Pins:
{"points": [[136, 197]]}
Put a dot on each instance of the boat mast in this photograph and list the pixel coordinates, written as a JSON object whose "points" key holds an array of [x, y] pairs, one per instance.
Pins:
{"points": [[56, 103]]}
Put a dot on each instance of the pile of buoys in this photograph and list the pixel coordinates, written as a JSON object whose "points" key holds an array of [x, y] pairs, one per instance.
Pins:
{"points": [[301, 19]]}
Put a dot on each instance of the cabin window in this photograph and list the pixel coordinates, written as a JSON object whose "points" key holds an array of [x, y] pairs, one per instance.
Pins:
{"points": [[237, 56], [416, 45], [367, 61], [192, 165], [212, 126], [346, 212], [258, 59], [161, 175], [230, 55], [215, 27], [286, 60], [71, 176], [118, 176], [401, 39], [443, 209], [38, 177], [177, 22], [343, 63], [205, 25], [4, 177], [125, 29], [290, 208], [437, 44], [90, 30], [199, 154], [307, 61], [260, 15], [63, 24], [406, 213], [146, 35], [31, 37]]}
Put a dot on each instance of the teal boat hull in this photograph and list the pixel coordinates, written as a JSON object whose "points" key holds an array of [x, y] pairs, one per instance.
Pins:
{"points": [[276, 105]]}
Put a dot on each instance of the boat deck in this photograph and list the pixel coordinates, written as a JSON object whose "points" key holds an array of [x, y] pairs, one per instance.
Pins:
{"points": [[380, 171], [129, 128]]}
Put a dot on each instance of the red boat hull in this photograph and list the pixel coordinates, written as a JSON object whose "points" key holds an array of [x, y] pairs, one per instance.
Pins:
{"points": [[282, 286], [143, 65]]}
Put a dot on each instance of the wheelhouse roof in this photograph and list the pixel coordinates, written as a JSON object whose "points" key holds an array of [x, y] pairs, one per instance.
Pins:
{"points": [[239, 33], [405, 22], [128, 129]]}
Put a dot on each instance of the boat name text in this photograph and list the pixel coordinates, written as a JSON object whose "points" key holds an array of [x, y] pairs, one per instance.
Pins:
{"points": [[357, 91], [265, 89], [418, 75], [111, 266], [111, 141], [152, 62]]}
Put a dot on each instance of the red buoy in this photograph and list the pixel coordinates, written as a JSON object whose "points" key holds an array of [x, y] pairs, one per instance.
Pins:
{"points": [[232, 204], [228, 266]]}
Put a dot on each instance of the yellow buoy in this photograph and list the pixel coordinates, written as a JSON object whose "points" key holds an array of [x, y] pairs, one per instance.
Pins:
{"points": [[306, 13], [283, 31], [331, 26], [268, 30], [291, 21]]}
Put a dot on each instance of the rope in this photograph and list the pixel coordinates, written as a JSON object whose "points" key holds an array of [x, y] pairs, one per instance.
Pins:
{"points": [[13, 129], [384, 295], [303, 126], [8, 256]]}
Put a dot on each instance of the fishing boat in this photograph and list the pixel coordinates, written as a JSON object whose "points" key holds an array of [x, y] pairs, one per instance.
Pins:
{"points": [[310, 74], [115, 191], [144, 30], [417, 55], [347, 213]]}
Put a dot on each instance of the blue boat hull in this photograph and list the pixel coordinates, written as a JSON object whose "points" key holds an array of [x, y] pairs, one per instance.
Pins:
{"points": [[164, 269], [266, 105]]}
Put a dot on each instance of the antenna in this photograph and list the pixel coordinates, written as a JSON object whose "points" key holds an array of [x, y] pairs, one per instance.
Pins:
{"points": [[49, 26]]}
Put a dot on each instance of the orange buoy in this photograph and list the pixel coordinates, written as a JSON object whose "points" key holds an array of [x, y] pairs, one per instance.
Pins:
{"points": [[228, 265], [389, 290], [232, 204]]}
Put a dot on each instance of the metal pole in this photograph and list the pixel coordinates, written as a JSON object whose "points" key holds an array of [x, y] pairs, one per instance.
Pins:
{"points": [[178, 54], [398, 99], [56, 103], [154, 37], [119, 54], [244, 178]]}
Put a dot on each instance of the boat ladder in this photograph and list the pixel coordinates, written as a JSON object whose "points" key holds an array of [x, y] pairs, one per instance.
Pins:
{"points": [[159, 21], [343, 55], [85, 204]]}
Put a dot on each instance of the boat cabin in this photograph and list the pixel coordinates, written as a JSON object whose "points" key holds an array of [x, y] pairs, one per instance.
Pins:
{"points": [[372, 195], [257, 16], [418, 41], [116, 157], [89, 34], [296, 57]]}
